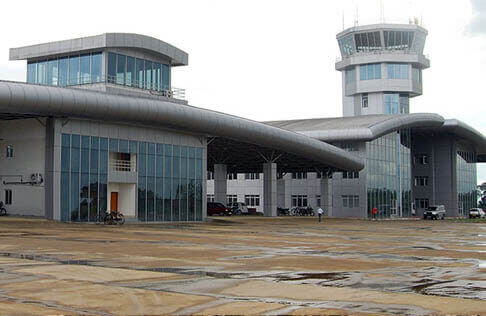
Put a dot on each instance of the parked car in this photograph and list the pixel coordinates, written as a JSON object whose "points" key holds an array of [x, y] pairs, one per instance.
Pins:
{"points": [[476, 213], [435, 212], [215, 208], [238, 208]]}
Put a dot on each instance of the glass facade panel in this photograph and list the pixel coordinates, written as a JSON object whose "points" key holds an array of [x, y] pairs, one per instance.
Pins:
{"points": [[370, 71], [121, 61], [466, 174], [148, 74], [52, 72], [130, 74], [73, 70], [63, 71], [31, 72], [111, 69], [85, 68], [96, 62], [169, 182], [350, 75], [139, 73], [346, 45], [42, 72], [397, 71], [392, 103], [388, 164], [156, 75], [165, 77]]}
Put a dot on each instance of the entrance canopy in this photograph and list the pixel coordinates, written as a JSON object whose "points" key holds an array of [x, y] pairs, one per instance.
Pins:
{"points": [[240, 143]]}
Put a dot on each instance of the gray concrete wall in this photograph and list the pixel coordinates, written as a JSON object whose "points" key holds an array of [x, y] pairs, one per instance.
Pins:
{"points": [[28, 138]]}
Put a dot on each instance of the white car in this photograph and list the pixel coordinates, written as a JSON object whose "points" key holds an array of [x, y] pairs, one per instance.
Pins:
{"points": [[476, 213], [239, 208]]}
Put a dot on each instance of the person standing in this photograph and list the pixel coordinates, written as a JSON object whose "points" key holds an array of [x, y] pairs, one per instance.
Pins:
{"points": [[319, 213]]}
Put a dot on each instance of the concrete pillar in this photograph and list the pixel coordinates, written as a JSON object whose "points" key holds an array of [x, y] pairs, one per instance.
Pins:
{"points": [[270, 189], [220, 183], [326, 196]]}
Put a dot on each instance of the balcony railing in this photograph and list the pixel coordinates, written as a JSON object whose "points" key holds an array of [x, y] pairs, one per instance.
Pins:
{"points": [[123, 165]]}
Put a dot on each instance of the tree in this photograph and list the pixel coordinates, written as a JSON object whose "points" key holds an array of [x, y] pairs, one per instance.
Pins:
{"points": [[481, 191]]}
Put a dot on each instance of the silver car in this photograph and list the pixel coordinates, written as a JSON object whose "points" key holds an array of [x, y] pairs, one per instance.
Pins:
{"points": [[435, 212]]}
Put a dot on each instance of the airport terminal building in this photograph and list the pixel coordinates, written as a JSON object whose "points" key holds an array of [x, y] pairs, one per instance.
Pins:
{"points": [[98, 126], [411, 160]]}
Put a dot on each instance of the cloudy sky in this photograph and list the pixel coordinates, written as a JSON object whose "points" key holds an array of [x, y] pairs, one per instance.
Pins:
{"points": [[271, 59]]}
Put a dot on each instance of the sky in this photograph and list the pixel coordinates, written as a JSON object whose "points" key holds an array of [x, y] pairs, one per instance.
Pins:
{"points": [[272, 59]]}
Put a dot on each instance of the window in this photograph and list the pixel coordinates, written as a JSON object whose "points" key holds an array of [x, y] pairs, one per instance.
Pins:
{"points": [[73, 70], [96, 60], [210, 197], [63, 71], [231, 198], [252, 176], [8, 197], [422, 203], [120, 68], [392, 103], [348, 146], [350, 75], [252, 200], [299, 175], [397, 71], [346, 45], [318, 200], [421, 159], [52, 72], [421, 181], [364, 100], [210, 175], [299, 200], [350, 201], [232, 176], [368, 41], [9, 151], [370, 71], [398, 39], [31, 72], [416, 74], [350, 175], [85, 68]]}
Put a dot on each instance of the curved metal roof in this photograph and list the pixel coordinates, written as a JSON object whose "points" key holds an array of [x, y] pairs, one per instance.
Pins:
{"points": [[358, 128], [467, 132], [22, 98], [123, 40]]}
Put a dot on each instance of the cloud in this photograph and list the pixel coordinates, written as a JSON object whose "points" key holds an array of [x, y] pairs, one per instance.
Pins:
{"points": [[477, 26]]}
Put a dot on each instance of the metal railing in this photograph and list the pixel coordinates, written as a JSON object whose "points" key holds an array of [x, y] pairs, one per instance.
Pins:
{"points": [[153, 88], [381, 51], [123, 165]]}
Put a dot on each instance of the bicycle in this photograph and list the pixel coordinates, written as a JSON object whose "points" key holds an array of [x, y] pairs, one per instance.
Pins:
{"points": [[113, 218]]}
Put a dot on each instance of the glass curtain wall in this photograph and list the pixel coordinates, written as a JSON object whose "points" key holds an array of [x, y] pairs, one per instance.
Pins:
{"points": [[466, 174], [84, 176], [139, 73], [170, 178], [169, 182], [65, 71], [389, 175]]}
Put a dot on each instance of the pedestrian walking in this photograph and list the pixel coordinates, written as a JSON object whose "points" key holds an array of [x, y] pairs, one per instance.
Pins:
{"points": [[319, 213], [374, 211]]}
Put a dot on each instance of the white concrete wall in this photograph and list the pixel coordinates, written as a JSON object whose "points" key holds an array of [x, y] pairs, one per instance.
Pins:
{"points": [[28, 138], [126, 197]]}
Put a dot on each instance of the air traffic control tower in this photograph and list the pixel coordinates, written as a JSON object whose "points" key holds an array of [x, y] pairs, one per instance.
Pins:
{"points": [[382, 67]]}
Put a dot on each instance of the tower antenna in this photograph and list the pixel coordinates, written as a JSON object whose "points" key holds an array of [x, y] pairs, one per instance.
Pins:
{"points": [[382, 11], [356, 18]]}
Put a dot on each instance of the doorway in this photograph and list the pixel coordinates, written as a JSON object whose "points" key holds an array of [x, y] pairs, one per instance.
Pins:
{"points": [[114, 201]]}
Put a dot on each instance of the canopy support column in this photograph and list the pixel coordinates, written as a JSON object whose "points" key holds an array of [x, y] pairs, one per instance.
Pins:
{"points": [[220, 183], [270, 189]]}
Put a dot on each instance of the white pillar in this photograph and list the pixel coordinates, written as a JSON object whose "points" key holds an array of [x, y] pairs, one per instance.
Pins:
{"points": [[270, 189], [326, 196], [220, 183]]}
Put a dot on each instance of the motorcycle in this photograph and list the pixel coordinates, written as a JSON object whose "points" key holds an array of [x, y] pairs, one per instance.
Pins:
{"points": [[113, 218], [3, 210]]}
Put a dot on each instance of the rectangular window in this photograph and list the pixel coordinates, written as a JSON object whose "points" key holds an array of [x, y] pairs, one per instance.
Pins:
{"points": [[52, 72], [130, 74], [318, 200], [232, 176], [63, 71], [299, 175], [252, 176], [9, 151], [364, 100], [165, 77], [421, 181], [350, 75], [42, 72], [422, 203], [8, 197], [231, 198], [397, 71], [31, 72], [210, 197], [148, 74], [350, 175], [370, 71], [299, 200], [85, 68], [73, 70], [252, 200], [96, 60], [421, 159], [350, 201], [210, 175], [120, 68]]}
